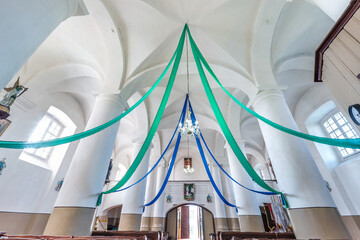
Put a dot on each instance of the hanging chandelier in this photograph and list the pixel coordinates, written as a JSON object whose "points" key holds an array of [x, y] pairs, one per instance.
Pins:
{"points": [[188, 169], [188, 128]]}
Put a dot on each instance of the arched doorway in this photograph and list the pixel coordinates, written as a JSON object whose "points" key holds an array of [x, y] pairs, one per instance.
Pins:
{"points": [[189, 221]]}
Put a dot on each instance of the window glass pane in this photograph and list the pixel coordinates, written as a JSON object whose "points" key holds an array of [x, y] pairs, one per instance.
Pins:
{"points": [[341, 122], [47, 129], [338, 127]]}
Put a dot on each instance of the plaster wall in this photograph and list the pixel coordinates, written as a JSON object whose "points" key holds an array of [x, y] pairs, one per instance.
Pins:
{"points": [[176, 191]]}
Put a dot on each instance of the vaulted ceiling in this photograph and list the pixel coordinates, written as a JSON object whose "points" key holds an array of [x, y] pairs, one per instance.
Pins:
{"points": [[123, 46]]}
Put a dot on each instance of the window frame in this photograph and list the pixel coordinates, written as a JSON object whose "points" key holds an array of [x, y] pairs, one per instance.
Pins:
{"points": [[332, 115], [60, 124]]}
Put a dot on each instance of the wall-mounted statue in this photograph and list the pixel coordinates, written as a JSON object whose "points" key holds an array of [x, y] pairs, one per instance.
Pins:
{"points": [[9, 98]]}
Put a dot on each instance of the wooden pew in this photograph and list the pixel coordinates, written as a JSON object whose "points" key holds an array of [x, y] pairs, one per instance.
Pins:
{"points": [[257, 235], [46, 237], [43, 237], [150, 235]]}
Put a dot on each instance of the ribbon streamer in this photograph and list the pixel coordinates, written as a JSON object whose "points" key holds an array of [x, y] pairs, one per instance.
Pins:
{"points": [[224, 127], [346, 143], [183, 113], [155, 123], [171, 163], [78, 136], [193, 119]]}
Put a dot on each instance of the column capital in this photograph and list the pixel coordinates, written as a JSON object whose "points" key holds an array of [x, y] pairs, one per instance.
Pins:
{"points": [[264, 94], [239, 141], [112, 97], [140, 141]]}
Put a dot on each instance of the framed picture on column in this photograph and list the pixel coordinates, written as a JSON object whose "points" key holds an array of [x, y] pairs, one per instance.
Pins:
{"points": [[4, 124]]}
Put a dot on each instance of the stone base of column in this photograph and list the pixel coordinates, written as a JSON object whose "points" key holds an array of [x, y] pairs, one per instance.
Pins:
{"points": [[318, 222], [221, 224], [233, 224], [145, 224], [352, 224], [157, 224], [130, 222], [251, 223], [70, 221]]}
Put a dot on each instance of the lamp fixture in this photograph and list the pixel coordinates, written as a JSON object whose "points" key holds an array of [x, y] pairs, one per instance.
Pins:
{"points": [[188, 169], [188, 128]]}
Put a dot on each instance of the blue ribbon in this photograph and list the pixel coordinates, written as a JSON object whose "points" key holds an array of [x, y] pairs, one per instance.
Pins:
{"points": [[255, 191], [193, 119], [182, 116], [171, 163], [217, 163]]}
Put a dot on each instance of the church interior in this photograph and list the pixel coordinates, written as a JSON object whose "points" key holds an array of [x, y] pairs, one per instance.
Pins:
{"points": [[192, 120]]}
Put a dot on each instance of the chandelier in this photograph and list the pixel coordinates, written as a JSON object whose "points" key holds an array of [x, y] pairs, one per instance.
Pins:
{"points": [[188, 169], [189, 128]]}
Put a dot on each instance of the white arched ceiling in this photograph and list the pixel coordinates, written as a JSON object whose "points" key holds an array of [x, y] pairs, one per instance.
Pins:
{"points": [[125, 45], [297, 22]]}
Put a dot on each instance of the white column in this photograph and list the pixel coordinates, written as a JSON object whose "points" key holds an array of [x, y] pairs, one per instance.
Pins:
{"points": [[135, 196], [245, 199], [293, 163], [313, 211], [220, 211], [232, 217], [248, 212], [86, 175], [24, 25], [146, 216], [158, 219]]}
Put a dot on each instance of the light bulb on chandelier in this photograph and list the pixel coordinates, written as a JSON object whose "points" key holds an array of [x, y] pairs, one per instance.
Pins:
{"points": [[189, 128], [189, 170]]}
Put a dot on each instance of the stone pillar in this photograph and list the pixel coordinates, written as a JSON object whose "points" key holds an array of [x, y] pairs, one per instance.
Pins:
{"points": [[232, 217], [25, 25], [312, 210], [220, 211], [158, 219], [76, 203], [132, 209], [248, 212], [146, 217]]}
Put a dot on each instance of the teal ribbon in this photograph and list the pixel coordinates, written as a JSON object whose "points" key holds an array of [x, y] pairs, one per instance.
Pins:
{"points": [[346, 143], [78, 136], [155, 123], [223, 125]]}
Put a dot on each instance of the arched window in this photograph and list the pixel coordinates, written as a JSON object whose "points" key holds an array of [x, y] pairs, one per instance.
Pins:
{"points": [[48, 128], [337, 126], [54, 124]]}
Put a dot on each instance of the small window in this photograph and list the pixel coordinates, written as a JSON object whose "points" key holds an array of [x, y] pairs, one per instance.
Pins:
{"points": [[48, 128], [338, 127]]}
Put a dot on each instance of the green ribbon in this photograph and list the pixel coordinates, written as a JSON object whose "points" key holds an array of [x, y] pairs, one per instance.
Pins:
{"points": [[223, 125], [346, 143], [155, 123], [78, 136]]}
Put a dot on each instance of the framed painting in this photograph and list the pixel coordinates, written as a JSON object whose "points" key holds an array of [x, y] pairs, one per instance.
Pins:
{"points": [[4, 124], [189, 190]]}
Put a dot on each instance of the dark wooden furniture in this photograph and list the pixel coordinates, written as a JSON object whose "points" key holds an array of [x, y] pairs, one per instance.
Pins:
{"points": [[257, 235]]}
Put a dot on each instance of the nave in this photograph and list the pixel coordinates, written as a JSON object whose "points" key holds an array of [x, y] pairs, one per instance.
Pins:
{"points": [[98, 139]]}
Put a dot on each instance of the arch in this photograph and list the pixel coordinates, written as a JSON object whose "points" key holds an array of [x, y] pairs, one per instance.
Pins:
{"points": [[187, 203], [208, 220]]}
